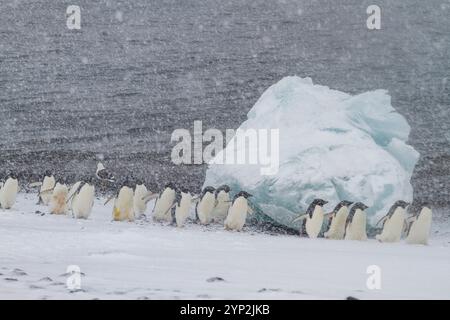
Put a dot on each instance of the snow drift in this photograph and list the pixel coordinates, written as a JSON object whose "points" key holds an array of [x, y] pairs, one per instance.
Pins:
{"points": [[332, 145]]}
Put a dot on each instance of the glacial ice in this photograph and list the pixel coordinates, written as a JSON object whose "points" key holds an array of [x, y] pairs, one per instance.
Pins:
{"points": [[333, 146]]}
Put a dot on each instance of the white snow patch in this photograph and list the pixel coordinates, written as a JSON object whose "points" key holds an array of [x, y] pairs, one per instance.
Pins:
{"points": [[141, 260]]}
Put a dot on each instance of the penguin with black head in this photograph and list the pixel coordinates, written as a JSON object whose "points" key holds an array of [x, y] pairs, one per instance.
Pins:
{"points": [[9, 187], [237, 214], [355, 228], [313, 218], [222, 203], [164, 202], [81, 198], [339, 216], [419, 226], [394, 222], [205, 205]]}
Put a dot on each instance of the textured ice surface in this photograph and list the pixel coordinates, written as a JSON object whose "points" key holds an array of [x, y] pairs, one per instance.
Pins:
{"points": [[332, 145]]}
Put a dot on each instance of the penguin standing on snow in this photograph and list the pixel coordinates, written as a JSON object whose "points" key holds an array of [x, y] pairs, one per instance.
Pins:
{"points": [[222, 203], [48, 183], [355, 228], [394, 223], [81, 198], [59, 196], [8, 191], [164, 203], [237, 214], [205, 206], [314, 218], [140, 204], [182, 207], [124, 202], [336, 231], [419, 228]]}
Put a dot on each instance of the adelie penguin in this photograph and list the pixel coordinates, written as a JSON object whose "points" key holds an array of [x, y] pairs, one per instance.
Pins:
{"points": [[222, 203], [205, 205], [140, 203], [164, 202], [336, 231], [123, 209], [81, 198], [59, 196], [394, 223], [237, 214], [182, 207], [48, 183], [8, 191], [419, 227], [355, 228], [314, 218]]}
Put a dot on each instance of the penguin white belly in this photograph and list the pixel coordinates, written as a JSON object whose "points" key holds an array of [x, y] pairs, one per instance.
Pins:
{"points": [[58, 202], [83, 202], [420, 229], [8, 193], [237, 215], [205, 208], [162, 210], [123, 205], [140, 206], [356, 230], [337, 227], [183, 210], [220, 211], [314, 224], [392, 229], [48, 184], [72, 194]]}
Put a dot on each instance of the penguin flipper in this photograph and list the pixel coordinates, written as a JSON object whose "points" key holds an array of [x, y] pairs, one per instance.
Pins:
{"points": [[109, 199], [35, 185], [301, 217], [150, 196], [382, 220], [250, 210]]}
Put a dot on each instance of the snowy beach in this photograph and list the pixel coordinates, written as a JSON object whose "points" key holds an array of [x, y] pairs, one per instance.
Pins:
{"points": [[147, 260]]}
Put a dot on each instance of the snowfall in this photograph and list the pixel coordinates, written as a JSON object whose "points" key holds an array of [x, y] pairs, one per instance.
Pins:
{"points": [[147, 260]]}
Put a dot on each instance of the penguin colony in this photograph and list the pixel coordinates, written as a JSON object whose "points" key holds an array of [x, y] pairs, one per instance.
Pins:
{"points": [[215, 205]]}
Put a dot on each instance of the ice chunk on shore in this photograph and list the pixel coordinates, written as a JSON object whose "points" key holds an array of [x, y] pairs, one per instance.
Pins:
{"points": [[333, 146]]}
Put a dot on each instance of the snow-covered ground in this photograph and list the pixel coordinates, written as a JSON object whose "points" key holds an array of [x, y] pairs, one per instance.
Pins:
{"points": [[121, 260]]}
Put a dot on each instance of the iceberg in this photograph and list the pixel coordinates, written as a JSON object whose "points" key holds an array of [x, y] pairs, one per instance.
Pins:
{"points": [[332, 145]]}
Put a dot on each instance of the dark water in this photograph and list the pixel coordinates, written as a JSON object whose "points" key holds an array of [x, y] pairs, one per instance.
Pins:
{"points": [[117, 88]]}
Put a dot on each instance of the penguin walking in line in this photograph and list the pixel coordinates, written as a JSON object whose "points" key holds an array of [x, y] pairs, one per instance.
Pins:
{"points": [[59, 197], [355, 228], [8, 191], [182, 207], [394, 223], [164, 203], [205, 205], [237, 214], [314, 218], [336, 231], [124, 202], [419, 227], [222, 203], [140, 203], [81, 198], [48, 183]]}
